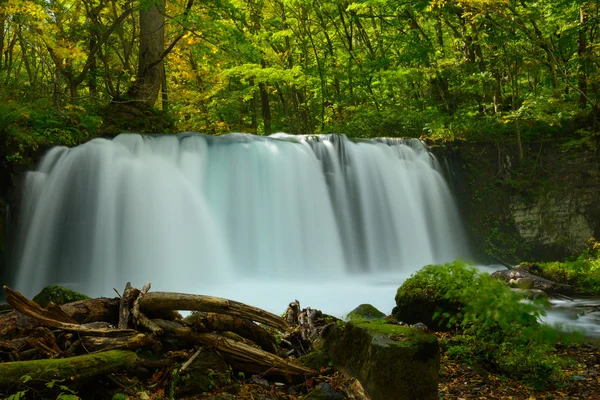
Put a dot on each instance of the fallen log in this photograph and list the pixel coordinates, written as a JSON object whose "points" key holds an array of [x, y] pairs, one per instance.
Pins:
{"points": [[133, 342], [238, 354], [521, 277], [93, 310], [68, 369], [82, 311], [55, 319], [246, 329], [162, 301]]}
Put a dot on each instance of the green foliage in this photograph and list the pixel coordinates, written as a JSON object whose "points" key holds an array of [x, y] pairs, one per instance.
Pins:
{"points": [[27, 129], [442, 70], [496, 327], [582, 271], [422, 297], [66, 393]]}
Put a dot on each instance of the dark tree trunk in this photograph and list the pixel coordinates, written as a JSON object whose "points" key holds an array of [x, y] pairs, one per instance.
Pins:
{"points": [[150, 62], [581, 52], [265, 108]]}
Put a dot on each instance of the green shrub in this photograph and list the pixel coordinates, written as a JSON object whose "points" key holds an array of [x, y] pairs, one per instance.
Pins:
{"points": [[496, 327], [423, 296], [582, 272]]}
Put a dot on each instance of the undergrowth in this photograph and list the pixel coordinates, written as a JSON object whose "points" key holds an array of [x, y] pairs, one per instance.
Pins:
{"points": [[495, 327], [582, 271]]}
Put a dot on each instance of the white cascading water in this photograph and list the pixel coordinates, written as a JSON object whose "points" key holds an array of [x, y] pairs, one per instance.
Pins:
{"points": [[192, 212]]}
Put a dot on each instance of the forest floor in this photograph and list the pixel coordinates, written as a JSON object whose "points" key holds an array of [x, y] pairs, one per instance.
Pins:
{"points": [[581, 379], [459, 380]]}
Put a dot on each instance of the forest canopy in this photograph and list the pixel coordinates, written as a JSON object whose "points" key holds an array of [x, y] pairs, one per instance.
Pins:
{"points": [[444, 69]]}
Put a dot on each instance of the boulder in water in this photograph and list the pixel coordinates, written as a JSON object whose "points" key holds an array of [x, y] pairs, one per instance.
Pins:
{"points": [[392, 362]]}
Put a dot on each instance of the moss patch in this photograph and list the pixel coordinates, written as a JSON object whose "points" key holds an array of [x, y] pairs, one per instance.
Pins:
{"points": [[316, 360], [58, 295], [394, 334], [73, 370]]}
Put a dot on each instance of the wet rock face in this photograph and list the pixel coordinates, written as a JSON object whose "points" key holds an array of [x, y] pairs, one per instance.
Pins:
{"points": [[391, 362], [543, 208]]}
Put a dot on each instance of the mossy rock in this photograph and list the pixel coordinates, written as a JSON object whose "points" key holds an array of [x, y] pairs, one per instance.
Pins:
{"points": [[316, 360], [423, 297], [366, 311], [390, 361], [57, 295]]}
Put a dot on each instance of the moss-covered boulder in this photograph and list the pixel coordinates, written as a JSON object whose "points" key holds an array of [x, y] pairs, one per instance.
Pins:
{"points": [[392, 362], [57, 295], [316, 360], [366, 311], [423, 297]]}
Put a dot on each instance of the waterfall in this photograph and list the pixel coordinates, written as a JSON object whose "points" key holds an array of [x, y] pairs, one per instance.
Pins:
{"points": [[189, 210]]}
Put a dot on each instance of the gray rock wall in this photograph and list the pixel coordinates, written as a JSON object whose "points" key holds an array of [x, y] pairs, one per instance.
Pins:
{"points": [[544, 207]]}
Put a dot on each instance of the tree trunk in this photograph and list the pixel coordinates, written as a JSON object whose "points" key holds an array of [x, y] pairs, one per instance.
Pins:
{"points": [[150, 61], [265, 108], [581, 52]]}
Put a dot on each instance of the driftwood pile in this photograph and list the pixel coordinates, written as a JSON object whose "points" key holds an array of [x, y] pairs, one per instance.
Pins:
{"points": [[94, 337]]}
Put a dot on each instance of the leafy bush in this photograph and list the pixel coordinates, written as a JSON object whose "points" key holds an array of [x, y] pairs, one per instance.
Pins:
{"points": [[26, 129], [496, 327], [582, 272], [424, 294]]}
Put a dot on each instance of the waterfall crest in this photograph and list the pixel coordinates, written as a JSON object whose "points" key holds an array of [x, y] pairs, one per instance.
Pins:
{"points": [[180, 210]]}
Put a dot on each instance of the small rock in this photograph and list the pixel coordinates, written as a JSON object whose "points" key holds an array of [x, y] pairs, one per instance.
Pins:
{"points": [[259, 381], [324, 391], [421, 326], [366, 311], [524, 283]]}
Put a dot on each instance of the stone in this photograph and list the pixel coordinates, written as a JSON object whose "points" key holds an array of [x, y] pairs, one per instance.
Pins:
{"points": [[316, 360], [324, 391], [366, 311], [392, 362], [58, 295], [524, 283], [420, 326], [531, 294]]}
